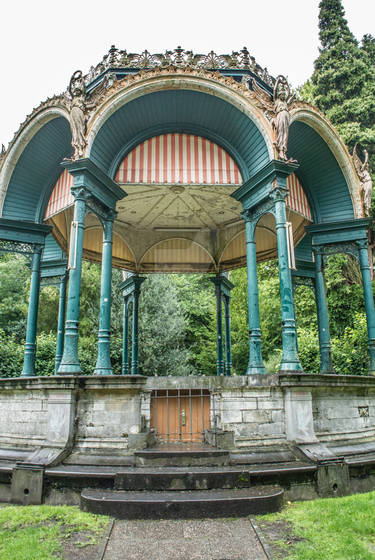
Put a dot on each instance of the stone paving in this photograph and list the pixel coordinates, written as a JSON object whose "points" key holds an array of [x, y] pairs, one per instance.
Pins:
{"points": [[208, 539]]}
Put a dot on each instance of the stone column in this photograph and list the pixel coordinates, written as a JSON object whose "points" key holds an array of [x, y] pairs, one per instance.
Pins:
{"points": [[70, 362], [28, 369], [228, 344], [322, 312], [369, 301], [60, 324], [290, 360], [255, 344], [125, 340], [103, 363]]}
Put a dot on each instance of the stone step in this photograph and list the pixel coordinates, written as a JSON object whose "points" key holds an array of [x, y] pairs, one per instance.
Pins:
{"points": [[203, 478], [181, 458], [183, 504]]}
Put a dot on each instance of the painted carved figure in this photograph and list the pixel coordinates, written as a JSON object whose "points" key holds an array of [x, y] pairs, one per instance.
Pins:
{"points": [[363, 171], [77, 90], [278, 109]]}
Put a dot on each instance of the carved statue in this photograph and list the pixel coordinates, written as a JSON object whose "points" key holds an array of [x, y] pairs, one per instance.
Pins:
{"points": [[77, 90], [363, 172], [278, 109]]}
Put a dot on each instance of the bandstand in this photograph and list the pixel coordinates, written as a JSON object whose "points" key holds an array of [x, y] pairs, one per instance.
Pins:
{"points": [[182, 163]]}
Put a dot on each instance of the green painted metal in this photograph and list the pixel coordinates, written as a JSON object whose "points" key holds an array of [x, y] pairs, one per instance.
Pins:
{"points": [[23, 232], [37, 171], [125, 341], [338, 232], [255, 364], [100, 187], [60, 323], [28, 369], [320, 175], [228, 343], [131, 288], [219, 328], [103, 364], [137, 286], [52, 252], [180, 111], [369, 301], [70, 361], [303, 251], [323, 319]]}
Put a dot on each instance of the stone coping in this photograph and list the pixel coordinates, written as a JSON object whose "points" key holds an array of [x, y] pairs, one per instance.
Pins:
{"points": [[211, 383], [70, 382]]}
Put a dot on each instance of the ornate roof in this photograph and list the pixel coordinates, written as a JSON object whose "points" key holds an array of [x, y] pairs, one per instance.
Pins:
{"points": [[179, 57]]}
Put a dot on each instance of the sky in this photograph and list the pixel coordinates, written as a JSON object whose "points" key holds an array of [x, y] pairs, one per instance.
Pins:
{"points": [[42, 42]]}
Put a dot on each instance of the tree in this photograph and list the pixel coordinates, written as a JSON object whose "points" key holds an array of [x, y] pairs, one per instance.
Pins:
{"points": [[343, 82]]}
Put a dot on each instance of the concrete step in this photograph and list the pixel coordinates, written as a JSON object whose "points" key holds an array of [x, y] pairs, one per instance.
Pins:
{"points": [[183, 504], [164, 457], [190, 478]]}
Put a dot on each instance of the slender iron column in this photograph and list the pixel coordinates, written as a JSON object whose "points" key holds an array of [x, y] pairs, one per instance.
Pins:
{"points": [[369, 301], [60, 324], [323, 319], [70, 361], [28, 369], [137, 288], [290, 360], [125, 340], [219, 329], [103, 363], [228, 344], [255, 365]]}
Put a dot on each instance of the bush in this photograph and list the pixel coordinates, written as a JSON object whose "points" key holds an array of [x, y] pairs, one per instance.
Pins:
{"points": [[350, 351], [11, 356]]}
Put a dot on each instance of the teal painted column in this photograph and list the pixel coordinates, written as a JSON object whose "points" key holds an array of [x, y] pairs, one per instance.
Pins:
{"points": [[369, 301], [219, 330], [255, 364], [60, 324], [28, 369], [70, 362], [323, 319], [290, 360], [137, 288], [125, 340], [228, 342], [103, 363]]}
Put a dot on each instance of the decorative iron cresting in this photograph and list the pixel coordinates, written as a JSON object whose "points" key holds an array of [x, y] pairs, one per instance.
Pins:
{"points": [[179, 57]]}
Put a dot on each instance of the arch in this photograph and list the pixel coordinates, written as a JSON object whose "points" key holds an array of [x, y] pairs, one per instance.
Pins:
{"points": [[326, 170], [180, 103], [177, 254], [122, 255], [32, 165]]}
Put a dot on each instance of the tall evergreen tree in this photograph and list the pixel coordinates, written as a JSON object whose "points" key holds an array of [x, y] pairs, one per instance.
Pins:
{"points": [[343, 82]]}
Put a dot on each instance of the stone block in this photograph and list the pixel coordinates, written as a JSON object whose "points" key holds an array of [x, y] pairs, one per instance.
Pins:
{"points": [[278, 416], [274, 429], [260, 416], [274, 404], [27, 485], [231, 416], [298, 416]]}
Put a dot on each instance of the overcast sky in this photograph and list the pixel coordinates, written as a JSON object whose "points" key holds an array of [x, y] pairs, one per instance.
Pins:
{"points": [[43, 42]]}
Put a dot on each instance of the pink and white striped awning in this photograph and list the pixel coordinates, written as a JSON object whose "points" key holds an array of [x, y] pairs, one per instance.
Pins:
{"points": [[176, 158]]}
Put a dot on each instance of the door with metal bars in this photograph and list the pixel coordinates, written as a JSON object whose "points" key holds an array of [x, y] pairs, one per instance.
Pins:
{"points": [[180, 415]]}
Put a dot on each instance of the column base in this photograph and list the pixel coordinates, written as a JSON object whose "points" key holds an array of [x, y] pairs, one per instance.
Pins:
{"points": [[33, 374], [69, 369], [103, 371], [290, 367], [256, 370]]}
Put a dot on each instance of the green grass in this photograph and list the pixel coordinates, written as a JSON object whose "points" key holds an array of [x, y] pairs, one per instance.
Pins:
{"points": [[37, 532], [331, 529]]}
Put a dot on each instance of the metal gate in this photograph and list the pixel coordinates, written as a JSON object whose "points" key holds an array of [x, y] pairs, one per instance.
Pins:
{"points": [[180, 415]]}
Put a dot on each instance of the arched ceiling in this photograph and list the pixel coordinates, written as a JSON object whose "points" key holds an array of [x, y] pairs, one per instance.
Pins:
{"points": [[36, 172], [180, 111], [320, 174]]}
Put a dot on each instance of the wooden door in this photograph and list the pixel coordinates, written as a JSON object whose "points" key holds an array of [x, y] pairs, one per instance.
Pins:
{"points": [[180, 415]]}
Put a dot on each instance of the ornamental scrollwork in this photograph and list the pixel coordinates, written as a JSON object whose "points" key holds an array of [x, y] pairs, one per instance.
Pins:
{"points": [[179, 57], [17, 247], [326, 251], [254, 215]]}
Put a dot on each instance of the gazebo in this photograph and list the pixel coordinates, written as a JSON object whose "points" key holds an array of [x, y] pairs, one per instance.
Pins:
{"points": [[183, 163]]}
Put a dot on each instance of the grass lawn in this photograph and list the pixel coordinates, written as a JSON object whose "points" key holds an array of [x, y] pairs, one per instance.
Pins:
{"points": [[329, 529], [48, 532]]}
